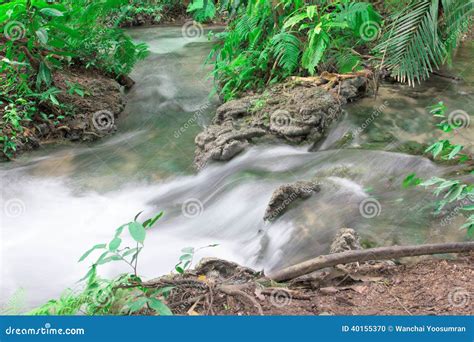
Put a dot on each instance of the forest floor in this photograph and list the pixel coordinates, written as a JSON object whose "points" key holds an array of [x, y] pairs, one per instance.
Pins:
{"points": [[419, 286]]}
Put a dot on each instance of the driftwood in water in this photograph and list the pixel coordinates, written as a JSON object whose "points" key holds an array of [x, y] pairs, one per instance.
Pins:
{"points": [[381, 253]]}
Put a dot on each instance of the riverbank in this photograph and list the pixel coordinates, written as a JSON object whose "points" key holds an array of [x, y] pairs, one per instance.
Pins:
{"points": [[84, 107], [418, 286]]}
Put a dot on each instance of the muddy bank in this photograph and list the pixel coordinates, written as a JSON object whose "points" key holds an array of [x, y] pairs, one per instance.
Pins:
{"points": [[423, 286], [298, 111], [81, 116]]}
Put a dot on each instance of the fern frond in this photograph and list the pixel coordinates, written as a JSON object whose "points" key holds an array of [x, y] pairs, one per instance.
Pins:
{"points": [[286, 48]]}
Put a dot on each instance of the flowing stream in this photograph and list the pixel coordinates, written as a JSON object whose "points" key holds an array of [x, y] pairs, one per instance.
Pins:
{"points": [[60, 200]]}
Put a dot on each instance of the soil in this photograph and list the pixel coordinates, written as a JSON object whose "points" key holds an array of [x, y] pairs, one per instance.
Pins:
{"points": [[86, 118], [426, 286]]}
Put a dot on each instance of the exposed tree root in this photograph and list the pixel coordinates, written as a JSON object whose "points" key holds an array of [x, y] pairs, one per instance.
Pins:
{"points": [[381, 253]]}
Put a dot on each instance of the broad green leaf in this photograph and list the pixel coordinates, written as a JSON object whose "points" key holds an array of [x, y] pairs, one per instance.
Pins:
{"points": [[52, 12], [159, 307], [115, 244], [42, 35], [137, 305], [86, 254], [455, 151], [137, 231]]}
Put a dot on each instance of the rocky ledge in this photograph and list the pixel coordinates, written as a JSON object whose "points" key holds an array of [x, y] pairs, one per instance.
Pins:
{"points": [[298, 111]]}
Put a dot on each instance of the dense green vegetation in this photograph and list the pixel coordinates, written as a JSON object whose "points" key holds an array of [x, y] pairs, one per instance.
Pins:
{"points": [[40, 38], [269, 40]]}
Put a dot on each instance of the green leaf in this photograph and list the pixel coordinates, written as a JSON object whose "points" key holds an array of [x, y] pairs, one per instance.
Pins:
{"points": [[137, 304], [86, 254], [108, 259], [42, 35], [120, 230], [159, 307], [44, 76], [150, 222], [185, 257], [52, 12], [130, 251], [455, 151], [137, 231], [115, 244]]}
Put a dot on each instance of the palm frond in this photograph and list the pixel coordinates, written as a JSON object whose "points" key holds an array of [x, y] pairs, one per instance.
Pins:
{"points": [[412, 45], [456, 19]]}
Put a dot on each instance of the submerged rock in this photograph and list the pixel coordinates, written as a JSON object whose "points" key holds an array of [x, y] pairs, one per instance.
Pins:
{"points": [[291, 112], [285, 195]]}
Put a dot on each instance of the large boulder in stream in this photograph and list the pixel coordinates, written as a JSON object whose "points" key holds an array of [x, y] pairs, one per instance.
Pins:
{"points": [[285, 195], [291, 112]]}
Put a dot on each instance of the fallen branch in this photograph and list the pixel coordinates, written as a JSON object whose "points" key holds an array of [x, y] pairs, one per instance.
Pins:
{"points": [[381, 253]]}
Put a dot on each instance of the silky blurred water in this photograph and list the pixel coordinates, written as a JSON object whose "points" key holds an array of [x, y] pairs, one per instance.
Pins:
{"points": [[60, 200]]}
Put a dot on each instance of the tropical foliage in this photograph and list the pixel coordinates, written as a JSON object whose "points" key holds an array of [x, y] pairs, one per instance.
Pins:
{"points": [[38, 38], [268, 41], [422, 36], [453, 194]]}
